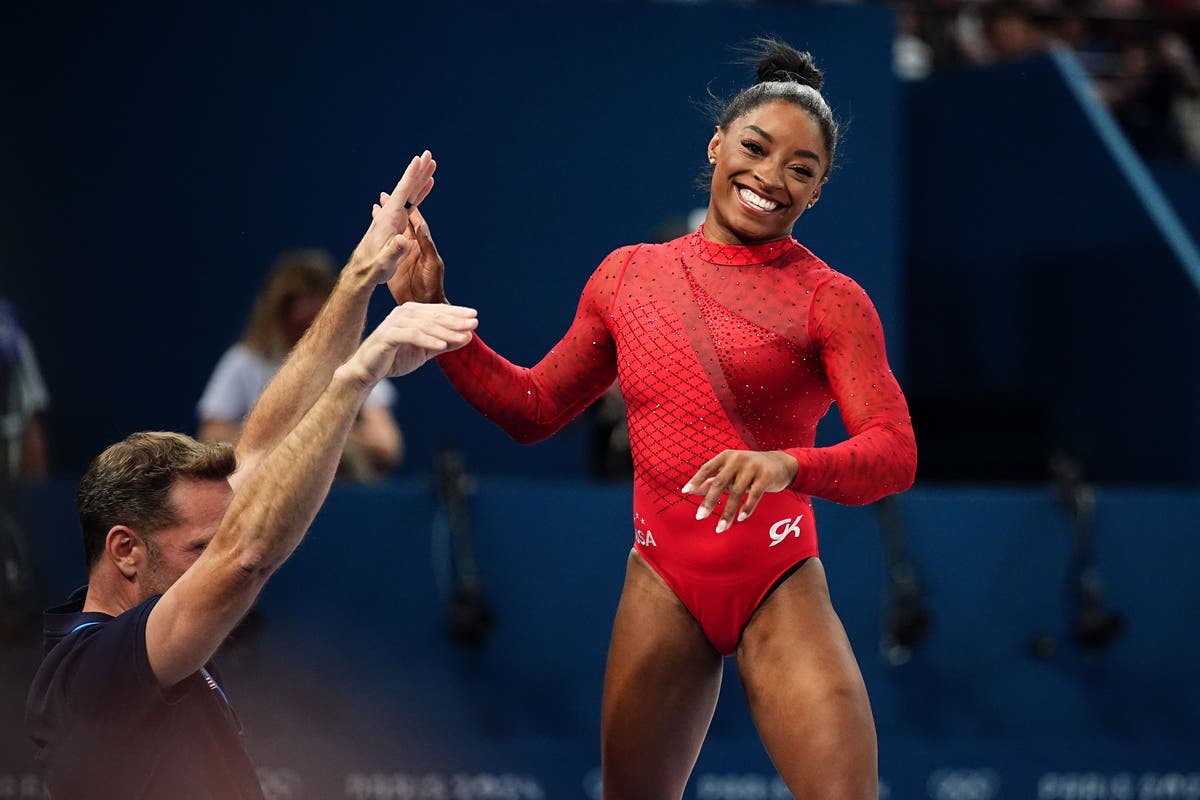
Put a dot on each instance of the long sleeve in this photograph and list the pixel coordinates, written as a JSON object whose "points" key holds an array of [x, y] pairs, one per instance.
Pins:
{"points": [[880, 457], [531, 404]]}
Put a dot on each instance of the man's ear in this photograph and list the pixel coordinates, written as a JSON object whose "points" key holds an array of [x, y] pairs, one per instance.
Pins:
{"points": [[126, 549]]}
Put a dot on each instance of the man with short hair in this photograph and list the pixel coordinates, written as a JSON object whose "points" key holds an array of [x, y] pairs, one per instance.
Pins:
{"points": [[181, 536]]}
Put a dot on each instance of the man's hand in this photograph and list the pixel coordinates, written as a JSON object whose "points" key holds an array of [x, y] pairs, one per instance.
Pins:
{"points": [[744, 475], [411, 335], [390, 219]]}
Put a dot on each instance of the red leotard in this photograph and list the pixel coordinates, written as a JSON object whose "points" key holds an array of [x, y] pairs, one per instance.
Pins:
{"points": [[717, 347]]}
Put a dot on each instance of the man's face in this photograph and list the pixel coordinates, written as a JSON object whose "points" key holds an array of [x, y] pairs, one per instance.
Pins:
{"points": [[200, 505]]}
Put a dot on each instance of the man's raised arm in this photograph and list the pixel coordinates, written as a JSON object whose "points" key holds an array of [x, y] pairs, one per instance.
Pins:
{"points": [[270, 513], [294, 440]]}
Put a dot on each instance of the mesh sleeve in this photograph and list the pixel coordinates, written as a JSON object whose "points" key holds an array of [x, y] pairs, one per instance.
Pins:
{"points": [[531, 404], [880, 457]]}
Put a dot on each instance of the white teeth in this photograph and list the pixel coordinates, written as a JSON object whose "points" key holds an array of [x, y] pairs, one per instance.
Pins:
{"points": [[760, 203]]}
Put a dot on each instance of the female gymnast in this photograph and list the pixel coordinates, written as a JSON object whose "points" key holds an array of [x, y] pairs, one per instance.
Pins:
{"points": [[730, 344]]}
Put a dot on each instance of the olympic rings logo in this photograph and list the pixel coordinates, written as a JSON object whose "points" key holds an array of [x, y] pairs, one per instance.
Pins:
{"points": [[963, 784]]}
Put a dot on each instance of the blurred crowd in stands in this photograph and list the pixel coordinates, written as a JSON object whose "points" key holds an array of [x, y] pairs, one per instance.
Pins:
{"points": [[1140, 55]]}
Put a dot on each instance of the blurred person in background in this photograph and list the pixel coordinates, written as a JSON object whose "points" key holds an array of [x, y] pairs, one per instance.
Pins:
{"points": [[1012, 31], [1140, 56], [609, 454], [23, 458], [288, 302], [23, 402], [1155, 94], [951, 29], [912, 57]]}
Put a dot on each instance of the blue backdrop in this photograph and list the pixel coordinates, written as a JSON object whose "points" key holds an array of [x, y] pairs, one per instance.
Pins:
{"points": [[165, 156], [1053, 292]]}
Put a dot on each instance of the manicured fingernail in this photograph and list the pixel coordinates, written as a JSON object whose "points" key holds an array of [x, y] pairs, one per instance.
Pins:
{"points": [[702, 512], [687, 488], [722, 526], [742, 516]]}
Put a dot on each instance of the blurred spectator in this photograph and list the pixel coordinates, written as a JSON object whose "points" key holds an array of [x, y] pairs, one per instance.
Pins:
{"points": [[950, 28], [1090, 41], [295, 290], [1155, 94], [1139, 54], [1012, 31], [23, 401], [611, 457], [913, 58]]}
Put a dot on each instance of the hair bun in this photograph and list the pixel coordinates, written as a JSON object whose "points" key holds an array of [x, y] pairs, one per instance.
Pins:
{"points": [[779, 62]]}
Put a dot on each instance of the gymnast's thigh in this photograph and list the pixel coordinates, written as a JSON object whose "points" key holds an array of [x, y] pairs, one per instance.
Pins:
{"points": [[660, 690], [807, 694]]}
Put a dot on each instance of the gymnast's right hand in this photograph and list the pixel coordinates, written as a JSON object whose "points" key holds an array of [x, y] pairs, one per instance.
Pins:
{"points": [[411, 335], [421, 273]]}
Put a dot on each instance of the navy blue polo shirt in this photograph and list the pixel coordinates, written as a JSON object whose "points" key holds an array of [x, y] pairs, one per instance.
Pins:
{"points": [[104, 728]]}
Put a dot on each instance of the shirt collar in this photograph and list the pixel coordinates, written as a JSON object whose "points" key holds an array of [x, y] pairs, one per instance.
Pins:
{"points": [[62, 619]]}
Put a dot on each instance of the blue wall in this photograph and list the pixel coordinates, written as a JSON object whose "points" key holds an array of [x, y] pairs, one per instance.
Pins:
{"points": [[165, 156], [1046, 270]]}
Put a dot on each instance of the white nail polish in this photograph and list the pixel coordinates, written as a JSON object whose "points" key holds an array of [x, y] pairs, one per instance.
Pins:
{"points": [[722, 526], [742, 516], [701, 513], [687, 489]]}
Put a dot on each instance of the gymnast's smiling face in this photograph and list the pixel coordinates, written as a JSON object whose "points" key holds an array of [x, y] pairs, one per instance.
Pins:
{"points": [[770, 165]]}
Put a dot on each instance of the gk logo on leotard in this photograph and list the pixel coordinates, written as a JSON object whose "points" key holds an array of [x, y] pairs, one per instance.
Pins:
{"points": [[784, 528]]}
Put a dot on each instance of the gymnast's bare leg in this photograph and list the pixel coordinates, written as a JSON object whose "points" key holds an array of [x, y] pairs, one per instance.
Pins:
{"points": [[660, 690], [807, 694]]}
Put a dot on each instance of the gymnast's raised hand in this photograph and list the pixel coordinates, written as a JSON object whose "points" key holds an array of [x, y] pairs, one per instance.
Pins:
{"points": [[420, 274]]}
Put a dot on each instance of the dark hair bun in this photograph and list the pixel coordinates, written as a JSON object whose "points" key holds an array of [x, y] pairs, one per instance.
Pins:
{"points": [[777, 61]]}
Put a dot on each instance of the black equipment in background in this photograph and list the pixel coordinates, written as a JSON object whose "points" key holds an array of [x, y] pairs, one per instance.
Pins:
{"points": [[1093, 627], [906, 621], [468, 616]]}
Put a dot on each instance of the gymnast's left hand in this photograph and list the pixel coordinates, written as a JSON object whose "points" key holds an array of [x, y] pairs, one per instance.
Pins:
{"points": [[745, 476]]}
